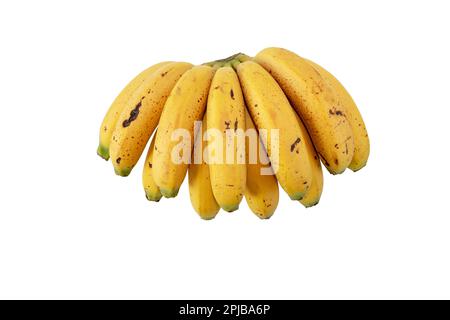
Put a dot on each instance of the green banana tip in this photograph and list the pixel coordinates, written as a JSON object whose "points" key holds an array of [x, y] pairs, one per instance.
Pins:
{"points": [[103, 152], [263, 216], [207, 218], [310, 205], [123, 172], [169, 193], [230, 208], [152, 197], [297, 196], [357, 167]]}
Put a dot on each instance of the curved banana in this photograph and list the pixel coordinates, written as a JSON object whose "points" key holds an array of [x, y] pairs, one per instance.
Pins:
{"points": [[360, 136], [261, 192], [151, 189], [316, 103], [114, 111], [312, 196], [185, 105], [270, 109], [226, 114], [200, 191], [140, 116]]}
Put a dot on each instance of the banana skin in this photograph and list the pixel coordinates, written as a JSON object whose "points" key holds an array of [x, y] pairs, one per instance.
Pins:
{"points": [[200, 190], [226, 114], [114, 111], [360, 136], [152, 192], [316, 103], [185, 105], [270, 109], [312, 196], [261, 191], [140, 116]]}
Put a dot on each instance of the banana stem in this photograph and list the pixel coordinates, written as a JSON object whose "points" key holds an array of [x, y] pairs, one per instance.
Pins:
{"points": [[233, 61], [242, 57]]}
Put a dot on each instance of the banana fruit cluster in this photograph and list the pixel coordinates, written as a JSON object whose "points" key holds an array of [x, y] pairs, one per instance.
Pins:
{"points": [[237, 127]]}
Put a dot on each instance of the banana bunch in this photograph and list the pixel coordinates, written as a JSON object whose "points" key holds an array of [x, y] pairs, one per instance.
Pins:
{"points": [[237, 127]]}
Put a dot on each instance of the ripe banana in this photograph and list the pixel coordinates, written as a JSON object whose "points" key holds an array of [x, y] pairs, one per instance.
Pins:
{"points": [[316, 103], [200, 191], [226, 115], [141, 115], [261, 192], [151, 189], [270, 109], [312, 196], [360, 136], [185, 105], [114, 111]]}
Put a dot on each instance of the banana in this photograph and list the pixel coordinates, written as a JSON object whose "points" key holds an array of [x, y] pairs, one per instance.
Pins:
{"points": [[360, 136], [261, 192], [316, 103], [200, 191], [270, 109], [185, 105], [314, 192], [151, 189], [114, 111], [141, 115], [226, 114]]}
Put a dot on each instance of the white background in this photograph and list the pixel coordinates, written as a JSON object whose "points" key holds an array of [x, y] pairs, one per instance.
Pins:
{"points": [[70, 228]]}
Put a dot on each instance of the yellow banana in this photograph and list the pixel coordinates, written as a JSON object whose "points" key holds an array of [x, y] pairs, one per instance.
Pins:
{"points": [[114, 111], [200, 191], [360, 136], [261, 192], [141, 115], [151, 189], [226, 115], [270, 110], [185, 105], [312, 196], [316, 103]]}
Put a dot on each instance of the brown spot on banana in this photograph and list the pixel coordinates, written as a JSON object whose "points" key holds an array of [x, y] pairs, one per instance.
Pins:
{"points": [[297, 141], [133, 115], [334, 111]]}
